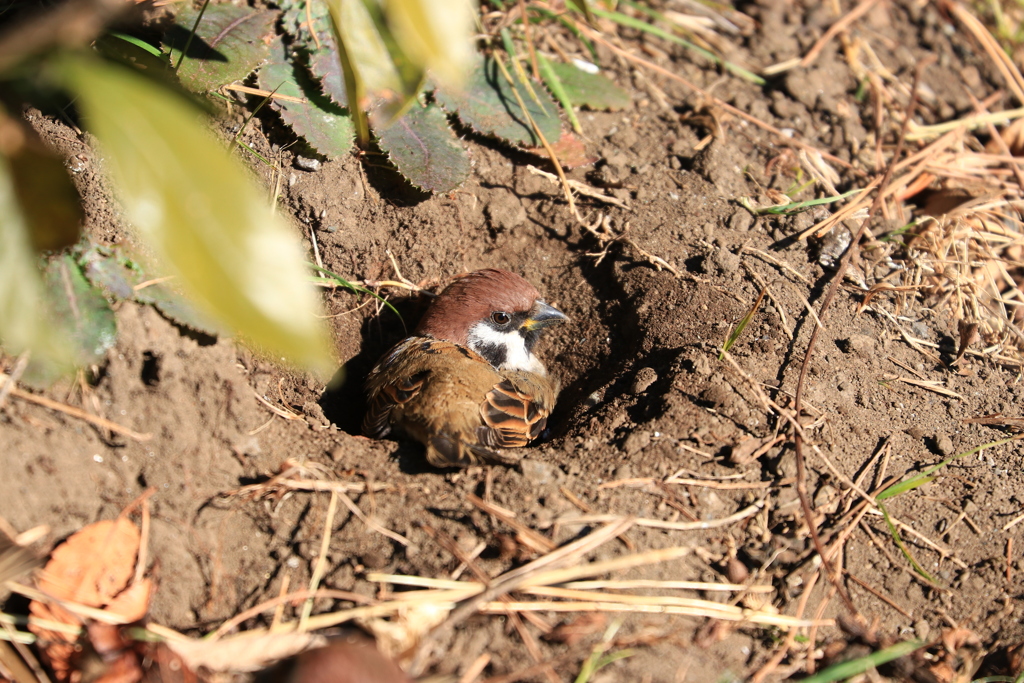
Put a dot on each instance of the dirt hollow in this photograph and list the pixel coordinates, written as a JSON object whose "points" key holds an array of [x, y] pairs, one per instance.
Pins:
{"points": [[645, 394]]}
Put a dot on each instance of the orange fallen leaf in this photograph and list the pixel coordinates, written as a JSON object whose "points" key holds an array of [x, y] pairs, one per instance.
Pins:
{"points": [[93, 567], [569, 149]]}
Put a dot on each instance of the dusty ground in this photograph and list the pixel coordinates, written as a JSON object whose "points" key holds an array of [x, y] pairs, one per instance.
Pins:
{"points": [[645, 394]]}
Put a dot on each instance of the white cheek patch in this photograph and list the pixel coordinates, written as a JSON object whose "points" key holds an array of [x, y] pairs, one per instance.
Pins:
{"points": [[517, 357]]}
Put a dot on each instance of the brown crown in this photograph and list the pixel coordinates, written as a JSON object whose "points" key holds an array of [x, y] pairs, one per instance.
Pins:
{"points": [[472, 298]]}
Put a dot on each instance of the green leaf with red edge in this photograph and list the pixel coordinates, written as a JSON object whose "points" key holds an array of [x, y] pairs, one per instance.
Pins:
{"points": [[81, 309], [228, 44], [323, 124], [308, 22], [488, 105], [593, 91], [425, 150], [119, 276]]}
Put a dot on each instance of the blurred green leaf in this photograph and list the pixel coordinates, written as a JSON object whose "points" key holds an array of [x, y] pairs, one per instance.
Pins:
{"points": [[24, 323], [198, 211], [583, 89], [436, 34], [365, 47], [49, 202], [177, 309], [133, 52], [123, 279], [488, 105], [228, 44], [318, 120], [425, 150], [81, 309]]}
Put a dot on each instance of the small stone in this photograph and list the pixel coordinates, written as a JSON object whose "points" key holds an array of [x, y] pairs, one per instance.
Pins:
{"points": [[922, 629], [741, 220], [540, 473], [636, 442], [505, 212], [643, 380], [945, 445], [307, 164], [727, 261], [860, 344]]}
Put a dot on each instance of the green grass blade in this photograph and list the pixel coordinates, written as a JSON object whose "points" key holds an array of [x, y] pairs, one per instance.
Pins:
{"points": [[898, 540], [198, 210], [742, 325], [840, 672], [630, 22], [793, 207], [137, 42], [510, 48], [554, 84], [929, 474], [191, 35], [354, 288]]}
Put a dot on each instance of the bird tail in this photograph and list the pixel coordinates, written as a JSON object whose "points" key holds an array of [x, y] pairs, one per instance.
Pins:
{"points": [[447, 451]]}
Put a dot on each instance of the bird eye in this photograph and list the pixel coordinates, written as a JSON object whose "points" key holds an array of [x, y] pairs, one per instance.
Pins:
{"points": [[501, 318]]}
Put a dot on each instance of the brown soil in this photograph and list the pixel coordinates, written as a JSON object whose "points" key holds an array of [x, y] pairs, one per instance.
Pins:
{"points": [[645, 396]]}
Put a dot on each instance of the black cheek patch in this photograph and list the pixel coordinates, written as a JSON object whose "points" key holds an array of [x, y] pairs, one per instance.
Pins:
{"points": [[495, 354]]}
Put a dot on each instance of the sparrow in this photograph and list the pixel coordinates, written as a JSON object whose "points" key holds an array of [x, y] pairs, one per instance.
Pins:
{"points": [[466, 382]]}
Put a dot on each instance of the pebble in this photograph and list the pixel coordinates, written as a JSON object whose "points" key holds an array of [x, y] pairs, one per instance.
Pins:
{"points": [[741, 220], [636, 442], [945, 445], [859, 344], [540, 473], [645, 377], [306, 164], [922, 628]]}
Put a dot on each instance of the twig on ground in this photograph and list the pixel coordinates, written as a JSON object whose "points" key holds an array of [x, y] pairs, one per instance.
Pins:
{"points": [[95, 420], [321, 561]]}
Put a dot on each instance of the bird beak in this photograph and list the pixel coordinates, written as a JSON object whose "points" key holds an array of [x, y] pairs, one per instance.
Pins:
{"points": [[542, 315]]}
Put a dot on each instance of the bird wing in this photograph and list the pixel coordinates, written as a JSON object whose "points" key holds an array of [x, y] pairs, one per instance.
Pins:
{"points": [[516, 410], [449, 398], [397, 379]]}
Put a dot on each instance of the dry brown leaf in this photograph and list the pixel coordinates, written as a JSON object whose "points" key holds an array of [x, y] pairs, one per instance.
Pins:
{"points": [[133, 603], [92, 568], [1013, 136], [243, 652], [571, 632], [403, 632], [570, 150], [93, 565]]}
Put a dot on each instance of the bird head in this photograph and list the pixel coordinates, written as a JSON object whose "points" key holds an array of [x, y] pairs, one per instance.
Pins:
{"points": [[496, 313]]}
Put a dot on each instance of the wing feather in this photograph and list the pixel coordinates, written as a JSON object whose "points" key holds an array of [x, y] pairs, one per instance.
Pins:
{"points": [[424, 388]]}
